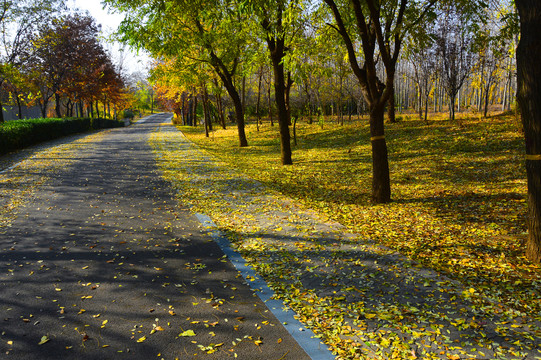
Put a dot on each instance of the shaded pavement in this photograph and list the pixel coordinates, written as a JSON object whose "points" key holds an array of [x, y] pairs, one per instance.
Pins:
{"points": [[101, 262]]}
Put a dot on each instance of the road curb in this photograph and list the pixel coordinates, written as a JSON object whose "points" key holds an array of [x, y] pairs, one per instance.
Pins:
{"points": [[304, 336]]}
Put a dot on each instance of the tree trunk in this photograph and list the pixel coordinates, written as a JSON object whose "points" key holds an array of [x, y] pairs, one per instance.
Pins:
{"points": [[258, 104], [221, 112], [487, 99], [43, 108], [289, 83], [219, 105], [206, 112], [340, 95], [458, 103], [244, 94], [19, 107], [277, 48], [391, 111], [270, 104], [227, 79], [426, 106], [188, 111], [381, 181], [2, 113], [436, 96], [529, 98], [509, 91], [295, 118], [452, 99], [308, 91], [239, 109], [68, 108], [420, 101], [194, 110], [58, 110]]}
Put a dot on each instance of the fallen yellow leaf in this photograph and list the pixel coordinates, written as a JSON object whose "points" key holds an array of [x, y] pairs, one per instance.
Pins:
{"points": [[187, 333], [44, 339]]}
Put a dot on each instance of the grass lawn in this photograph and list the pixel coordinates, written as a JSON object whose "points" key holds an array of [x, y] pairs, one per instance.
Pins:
{"points": [[459, 208], [459, 192]]}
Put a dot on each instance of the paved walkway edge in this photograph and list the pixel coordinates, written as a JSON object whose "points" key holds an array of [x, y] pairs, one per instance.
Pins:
{"points": [[305, 337]]}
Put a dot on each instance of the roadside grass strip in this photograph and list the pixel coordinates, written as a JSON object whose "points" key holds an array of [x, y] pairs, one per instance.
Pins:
{"points": [[361, 299]]}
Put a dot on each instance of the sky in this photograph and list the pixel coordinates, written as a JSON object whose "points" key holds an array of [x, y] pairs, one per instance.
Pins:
{"points": [[109, 22]]}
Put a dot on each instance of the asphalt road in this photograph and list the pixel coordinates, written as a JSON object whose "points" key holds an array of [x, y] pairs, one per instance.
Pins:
{"points": [[103, 263]]}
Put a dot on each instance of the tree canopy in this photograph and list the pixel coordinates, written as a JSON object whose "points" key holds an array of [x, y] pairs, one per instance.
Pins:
{"points": [[455, 53]]}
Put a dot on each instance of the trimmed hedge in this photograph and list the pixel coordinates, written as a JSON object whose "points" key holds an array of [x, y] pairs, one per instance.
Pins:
{"points": [[18, 134]]}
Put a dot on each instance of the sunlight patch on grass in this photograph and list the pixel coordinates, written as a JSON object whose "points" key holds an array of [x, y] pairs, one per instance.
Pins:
{"points": [[459, 207], [459, 192]]}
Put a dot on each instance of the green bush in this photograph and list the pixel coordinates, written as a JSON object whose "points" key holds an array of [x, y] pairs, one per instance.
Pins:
{"points": [[17, 134], [128, 114]]}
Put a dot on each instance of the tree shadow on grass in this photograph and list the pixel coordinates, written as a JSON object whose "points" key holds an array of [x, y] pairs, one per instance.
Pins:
{"points": [[383, 293]]}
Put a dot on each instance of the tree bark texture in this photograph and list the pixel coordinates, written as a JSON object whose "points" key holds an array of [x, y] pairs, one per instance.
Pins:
{"points": [[258, 104], [277, 49], [227, 80], [391, 113], [206, 112], [270, 104], [219, 105], [529, 99], [239, 113], [194, 108], [452, 101], [374, 91], [57, 107], [283, 112], [381, 180]]}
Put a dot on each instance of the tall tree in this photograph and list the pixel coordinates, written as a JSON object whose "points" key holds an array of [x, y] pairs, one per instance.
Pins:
{"points": [[529, 98], [69, 62], [198, 31], [280, 24], [18, 19], [270, 16], [378, 28], [455, 41], [421, 53]]}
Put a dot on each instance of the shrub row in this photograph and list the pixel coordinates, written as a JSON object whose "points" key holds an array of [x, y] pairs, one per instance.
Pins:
{"points": [[18, 134]]}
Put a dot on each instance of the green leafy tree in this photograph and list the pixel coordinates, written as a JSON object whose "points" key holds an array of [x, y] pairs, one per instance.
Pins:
{"points": [[455, 38], [280, 24], [376, 30], [18, 20], [193, 32]]}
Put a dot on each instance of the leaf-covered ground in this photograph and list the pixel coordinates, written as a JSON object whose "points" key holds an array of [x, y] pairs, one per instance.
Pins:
{"points": [[459, 210], [35, 163]]}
